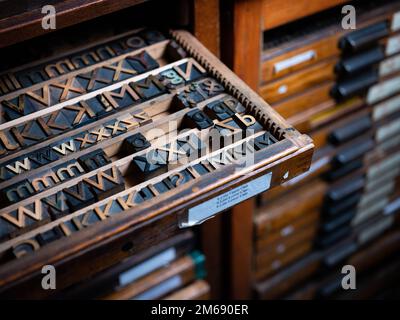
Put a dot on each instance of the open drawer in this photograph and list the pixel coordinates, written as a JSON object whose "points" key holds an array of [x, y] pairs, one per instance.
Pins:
{"points": [[102, 153]]}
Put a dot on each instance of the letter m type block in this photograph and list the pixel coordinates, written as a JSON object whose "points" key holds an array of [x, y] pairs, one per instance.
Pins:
{"points": [[94, 160]]}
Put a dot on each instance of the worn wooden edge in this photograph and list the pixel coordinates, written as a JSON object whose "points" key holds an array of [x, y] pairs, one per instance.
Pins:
{"points": [[29, 24]]}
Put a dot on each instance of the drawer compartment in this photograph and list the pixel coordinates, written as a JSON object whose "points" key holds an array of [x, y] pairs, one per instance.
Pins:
{"points": [[141, 152]]}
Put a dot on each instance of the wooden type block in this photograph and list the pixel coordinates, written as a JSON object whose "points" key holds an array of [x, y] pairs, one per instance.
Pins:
{"points": [[44, 180], [152, 36], [100, 106], [79, 114], [116, 127], [190, 71], [198, 92], [218, 110], [16, 193], [234, 104], [100, 133], [29, 133], [95, 79], [197, 119], [84, 140], [192, 146], [148, 88], [224, 133], [146, 194], [22, 219], [175, 51], [53, 123], [119, 98], [3, 151], [112, 208], [79, 196], [247, 123], [211, 87], [122, 70], [18, 107], [8, 143], [68, 227], [68, 170], [94, 160], [106, 183], [67, 89], [264, 141], [65, 147], [17, 166], [147, 167], [135, 143], [142, 62], [29, 77], [171, 79], [176, 179], [56, 205], [178, 152], [26, 247], [43, 156]]}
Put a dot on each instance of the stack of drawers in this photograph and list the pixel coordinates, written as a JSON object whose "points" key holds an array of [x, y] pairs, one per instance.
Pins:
{"points": [[342, 88]]}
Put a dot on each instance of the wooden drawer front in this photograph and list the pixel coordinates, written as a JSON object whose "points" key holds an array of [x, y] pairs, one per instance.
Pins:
{"points": [[309, 54], [276, 13], [275, 238], [299, 81], [284, 281], [267, 269], [159, 283], [281, 247], [164, 134], [304, 100], [283, 211], [322, 72], [141, 264]]}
